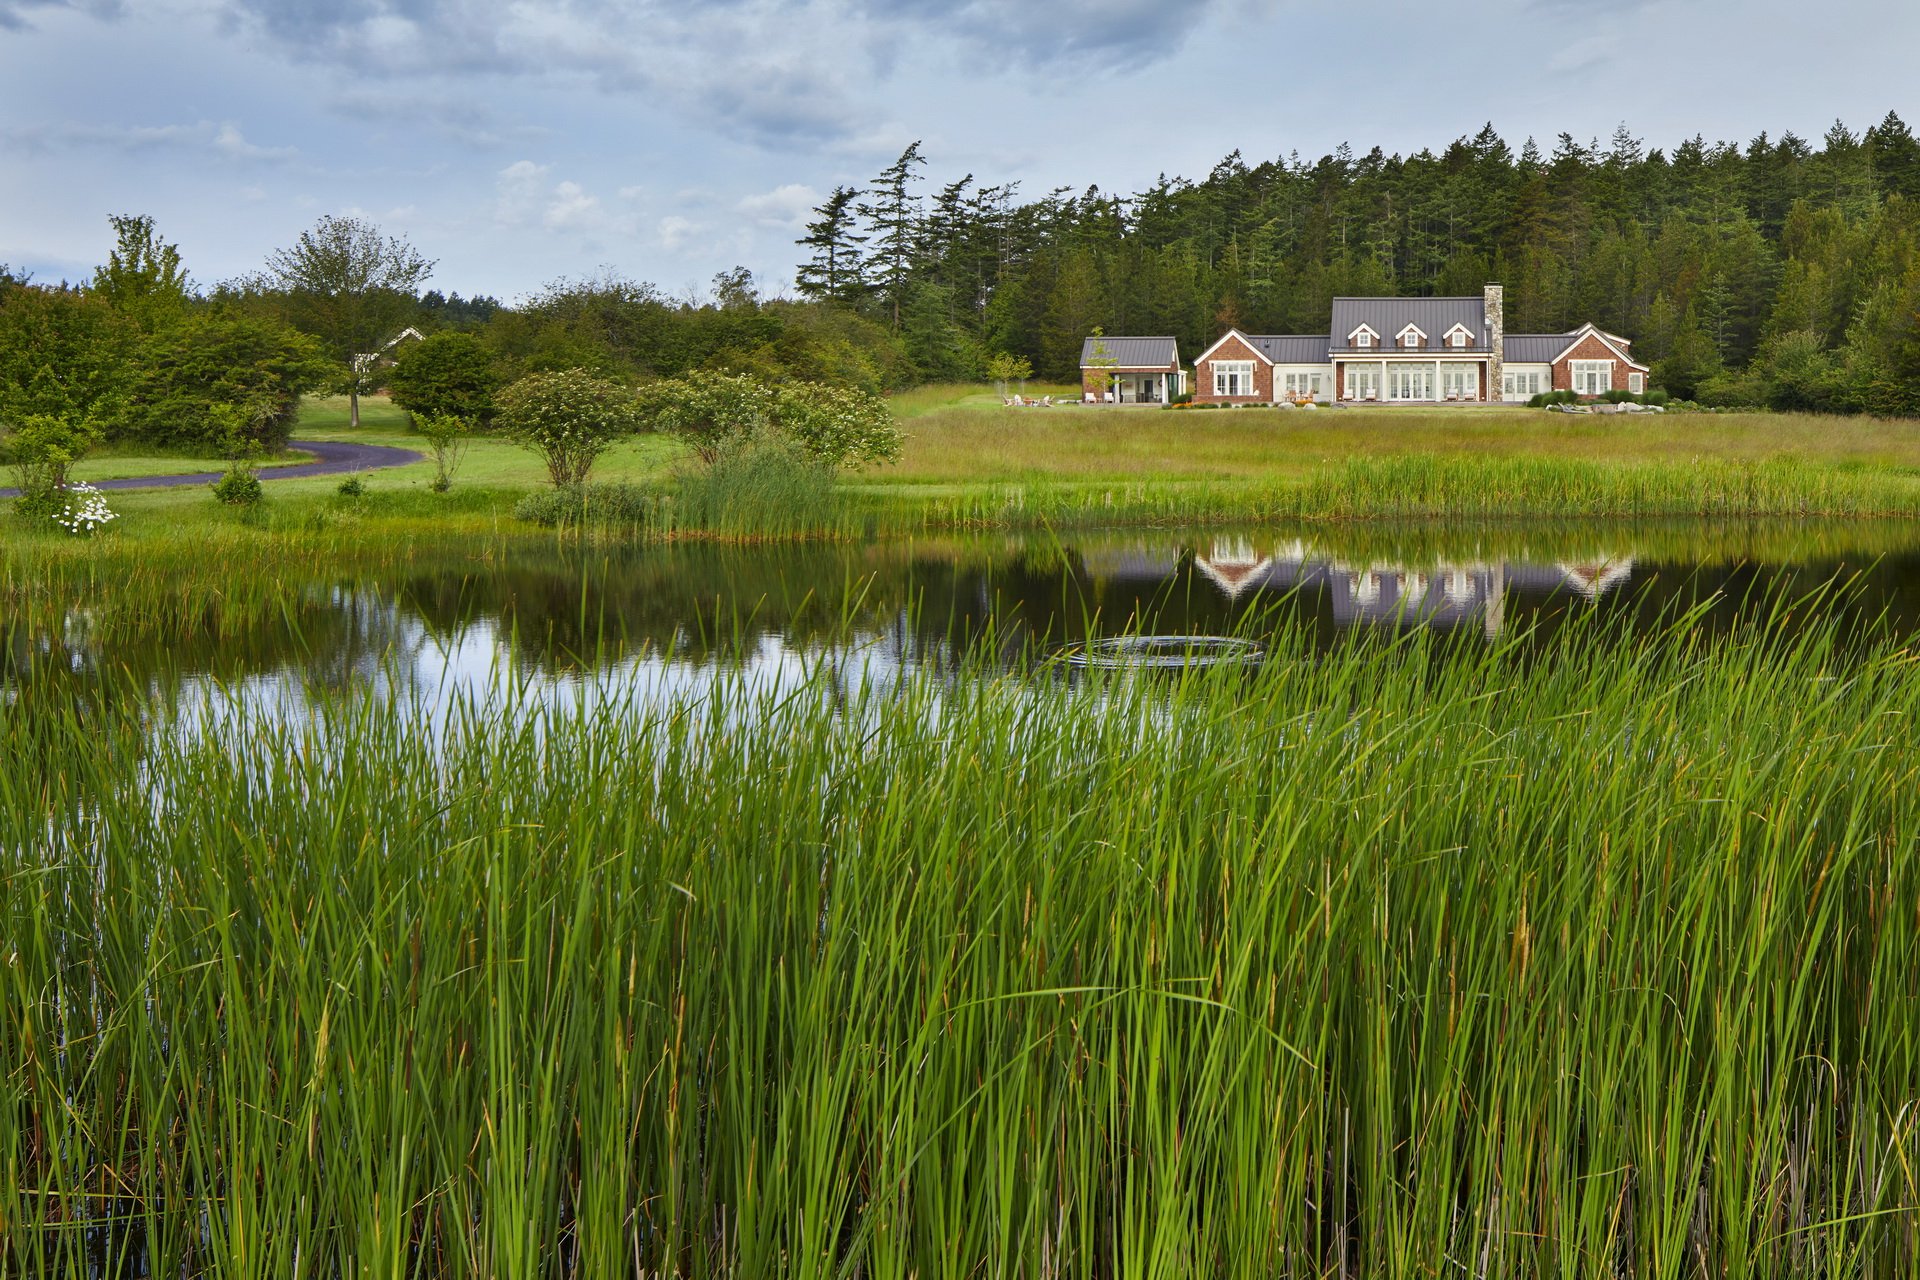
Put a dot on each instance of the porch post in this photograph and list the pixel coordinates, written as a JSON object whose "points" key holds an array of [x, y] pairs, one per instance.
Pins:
{"points": [[1436, 380]]}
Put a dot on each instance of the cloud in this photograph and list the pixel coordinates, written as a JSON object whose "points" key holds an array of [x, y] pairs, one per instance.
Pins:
{"points": [[13, 13], [223, 139], [674, 231], [525, 197], [784, 208], [771, 72]]}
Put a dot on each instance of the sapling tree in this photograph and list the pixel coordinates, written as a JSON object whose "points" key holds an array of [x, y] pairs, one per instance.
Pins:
{"points": [[448, 438], [569, 418]]}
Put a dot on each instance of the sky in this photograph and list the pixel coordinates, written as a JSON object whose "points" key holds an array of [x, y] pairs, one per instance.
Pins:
{"points": [[520, 142]]}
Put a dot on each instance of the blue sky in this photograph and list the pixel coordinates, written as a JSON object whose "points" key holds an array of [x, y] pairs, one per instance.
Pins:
{"points": [[517, 142]]}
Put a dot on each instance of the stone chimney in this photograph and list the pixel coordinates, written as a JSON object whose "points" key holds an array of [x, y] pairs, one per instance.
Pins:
{"points": [[1496, 321]]}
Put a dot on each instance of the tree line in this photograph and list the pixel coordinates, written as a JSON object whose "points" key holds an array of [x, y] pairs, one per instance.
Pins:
{"points": [[1782, 272], [140, 352]]}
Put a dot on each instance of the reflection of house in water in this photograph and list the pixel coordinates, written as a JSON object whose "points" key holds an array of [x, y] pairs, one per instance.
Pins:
{"points": [[1444, 595]]}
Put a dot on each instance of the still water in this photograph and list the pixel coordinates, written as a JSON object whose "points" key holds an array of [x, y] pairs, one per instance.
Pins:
{"points": [[655, 621]]}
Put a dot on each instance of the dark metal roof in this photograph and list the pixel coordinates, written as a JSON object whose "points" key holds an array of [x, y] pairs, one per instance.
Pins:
{"points": [[1535, 348], [1388, 316], [1288, 349], [1133, 353]]}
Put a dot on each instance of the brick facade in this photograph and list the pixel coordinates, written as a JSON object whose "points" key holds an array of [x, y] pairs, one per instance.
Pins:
{"points": [[1233, 349], [1591, 348]]}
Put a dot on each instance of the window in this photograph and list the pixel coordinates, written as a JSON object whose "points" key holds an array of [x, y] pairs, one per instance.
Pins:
{"points": [[1459, 337], [1302, 385], [1411, 338], [1233, 377], [1460, 381], [1363, 339], [1591, 377], [1637, 383]]}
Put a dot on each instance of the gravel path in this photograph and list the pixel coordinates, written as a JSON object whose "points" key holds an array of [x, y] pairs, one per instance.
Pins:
{"points": [[334, 459]]}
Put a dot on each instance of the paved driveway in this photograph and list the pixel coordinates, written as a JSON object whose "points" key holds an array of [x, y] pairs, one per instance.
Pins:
{"points": [[334, 458]]}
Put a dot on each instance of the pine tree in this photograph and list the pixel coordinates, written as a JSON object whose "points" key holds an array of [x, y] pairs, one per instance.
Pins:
{"points": [[834, 272], [894, 222]]}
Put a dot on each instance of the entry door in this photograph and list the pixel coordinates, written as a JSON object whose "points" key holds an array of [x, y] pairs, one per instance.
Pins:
{"points": [[1363, 382]]}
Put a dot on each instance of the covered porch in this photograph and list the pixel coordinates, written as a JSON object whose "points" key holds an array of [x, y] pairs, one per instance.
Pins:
{"points": [[1416, 381]]}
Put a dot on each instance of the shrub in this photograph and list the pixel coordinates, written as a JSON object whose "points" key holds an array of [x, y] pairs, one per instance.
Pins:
{"points": [[718, 413], [447, 375], [40, 449], [352, 487], [569, 418], [600, 505], [187, 371], [238, 488], [83, 511]]}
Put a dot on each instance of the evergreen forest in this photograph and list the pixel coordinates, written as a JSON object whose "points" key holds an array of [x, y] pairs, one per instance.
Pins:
{"points": [[1782, 272]]}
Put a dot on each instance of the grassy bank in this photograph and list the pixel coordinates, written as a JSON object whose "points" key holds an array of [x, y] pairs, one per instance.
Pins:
{"points": [[1409, 960]]}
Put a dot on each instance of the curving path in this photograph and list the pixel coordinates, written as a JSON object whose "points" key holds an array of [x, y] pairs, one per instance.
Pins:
{"points": [[333, 458]]}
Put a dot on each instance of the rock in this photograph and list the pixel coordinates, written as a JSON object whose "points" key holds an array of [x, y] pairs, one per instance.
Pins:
{"points": [[1309, 405], [1283, 404]]}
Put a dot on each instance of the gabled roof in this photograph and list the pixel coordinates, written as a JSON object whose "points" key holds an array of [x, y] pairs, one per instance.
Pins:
{"points": [[1607, 340], [1393, 315], [1284, 348], [1133, 353]]}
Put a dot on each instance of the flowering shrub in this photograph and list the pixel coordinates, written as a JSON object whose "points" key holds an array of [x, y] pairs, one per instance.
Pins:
{"points": [[718, 414], [84, 511], [568, 418]]}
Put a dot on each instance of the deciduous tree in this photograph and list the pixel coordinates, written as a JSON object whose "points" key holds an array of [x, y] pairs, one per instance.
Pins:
{"points": [[352, 288]]}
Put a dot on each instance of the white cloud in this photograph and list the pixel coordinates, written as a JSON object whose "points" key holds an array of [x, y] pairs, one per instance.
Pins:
{"points": [[674, 231], [572, 209], [224, 140], [785, 207]]}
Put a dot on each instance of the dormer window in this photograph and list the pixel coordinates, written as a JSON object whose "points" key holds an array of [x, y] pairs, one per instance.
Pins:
{"points": [[1411, 338], [1363, 340], [1459, 337], [1364, 336]]}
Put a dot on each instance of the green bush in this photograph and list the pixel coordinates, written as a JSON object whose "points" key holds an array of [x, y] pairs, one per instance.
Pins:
{"points": [[569, 418], [185, 372], [591, 505], [448, 375], [238, 488], [353, 487]]}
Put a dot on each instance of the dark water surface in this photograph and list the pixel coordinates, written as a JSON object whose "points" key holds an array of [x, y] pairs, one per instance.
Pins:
{"points": [[663, 618]]}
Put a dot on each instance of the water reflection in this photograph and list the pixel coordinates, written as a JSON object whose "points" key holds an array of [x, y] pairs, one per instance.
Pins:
{"points": [[656, 621]]}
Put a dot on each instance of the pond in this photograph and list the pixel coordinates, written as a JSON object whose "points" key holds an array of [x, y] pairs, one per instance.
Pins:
{"points": [[650, 620]]}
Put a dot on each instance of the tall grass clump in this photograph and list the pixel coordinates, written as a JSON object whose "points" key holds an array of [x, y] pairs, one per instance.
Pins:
{"points": [[763, 488], [1407, 959]]}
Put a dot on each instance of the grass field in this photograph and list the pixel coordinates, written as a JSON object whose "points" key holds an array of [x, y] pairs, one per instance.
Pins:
{"points": [[968, 461], [1403, 961]]}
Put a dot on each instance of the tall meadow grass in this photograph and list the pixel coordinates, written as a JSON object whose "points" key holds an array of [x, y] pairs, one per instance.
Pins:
{"points": [[1411, 959]]}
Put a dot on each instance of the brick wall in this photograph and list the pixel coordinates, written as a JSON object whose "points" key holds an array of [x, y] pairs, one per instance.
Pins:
{"points": [[1233, 349], [1590, 348]]}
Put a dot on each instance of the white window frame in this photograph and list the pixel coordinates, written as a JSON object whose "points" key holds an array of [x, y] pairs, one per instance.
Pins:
{"points": [[1364, 336], [1637, 383], [1459, 337], [1419, 338], [1581, 374], [1229, 373]]}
